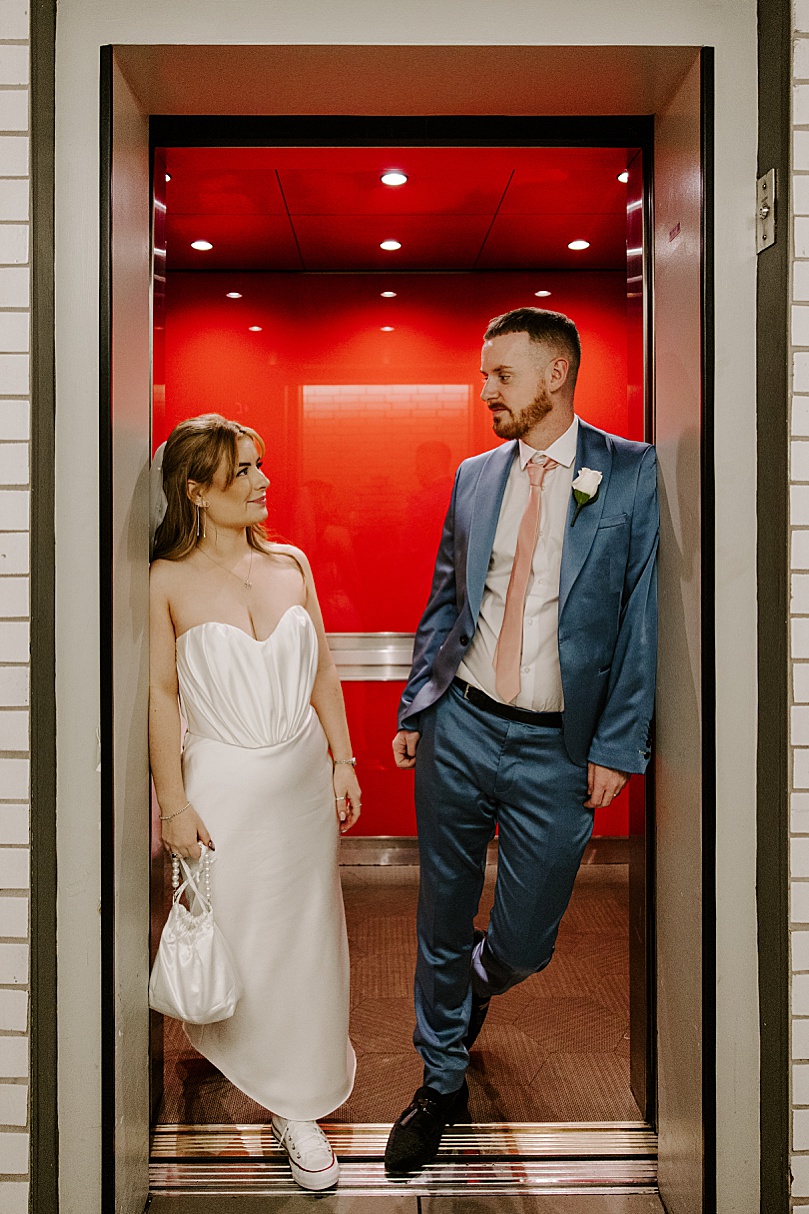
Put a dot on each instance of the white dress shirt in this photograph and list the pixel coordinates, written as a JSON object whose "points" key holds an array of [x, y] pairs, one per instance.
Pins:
{"points": [[540, 675]]}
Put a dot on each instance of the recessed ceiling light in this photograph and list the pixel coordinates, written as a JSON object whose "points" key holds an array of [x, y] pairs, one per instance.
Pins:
{"points": [[390, 245], [395, 177], [234, 294], [254, 328], [624, 177], [386, 329], [542, 294], [202, 245], [388, 294], [168, 176], [577, 245]]}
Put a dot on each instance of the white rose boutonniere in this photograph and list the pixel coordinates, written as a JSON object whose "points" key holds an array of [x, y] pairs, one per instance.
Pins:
{"points": [[585, 489]]}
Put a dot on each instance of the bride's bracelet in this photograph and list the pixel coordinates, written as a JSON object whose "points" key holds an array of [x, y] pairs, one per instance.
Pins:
{"points": [[168, 817], [352, 762]]}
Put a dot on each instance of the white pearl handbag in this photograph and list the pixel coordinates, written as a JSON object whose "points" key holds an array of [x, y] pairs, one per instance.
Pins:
{"points": [[193, 977]]}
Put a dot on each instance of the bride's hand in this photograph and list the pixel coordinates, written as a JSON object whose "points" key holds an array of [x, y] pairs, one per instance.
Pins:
{"points": [[347, 796], [183, 834]]}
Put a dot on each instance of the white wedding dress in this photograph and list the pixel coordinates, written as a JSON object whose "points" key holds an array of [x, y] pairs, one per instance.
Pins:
{"points": [[257, 770]]}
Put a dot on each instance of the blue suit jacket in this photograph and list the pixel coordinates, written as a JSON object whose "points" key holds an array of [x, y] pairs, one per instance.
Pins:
{"points": [[607, 597]]}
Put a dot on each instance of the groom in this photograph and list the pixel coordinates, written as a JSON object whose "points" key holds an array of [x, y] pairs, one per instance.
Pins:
{"points": [[530, 697]]}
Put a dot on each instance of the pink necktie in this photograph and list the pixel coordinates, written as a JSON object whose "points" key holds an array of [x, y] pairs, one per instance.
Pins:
{"points": [[508, 653]]}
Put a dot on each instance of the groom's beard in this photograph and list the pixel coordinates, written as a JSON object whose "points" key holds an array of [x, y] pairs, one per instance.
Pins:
{"points": [[517, 425]]}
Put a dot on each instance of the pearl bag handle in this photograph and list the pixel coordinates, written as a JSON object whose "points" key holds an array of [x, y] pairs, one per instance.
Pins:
{"points": [[191, 881]]}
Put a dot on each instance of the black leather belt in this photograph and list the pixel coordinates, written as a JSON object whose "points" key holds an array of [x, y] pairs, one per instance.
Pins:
{"points": [[550, 720]]}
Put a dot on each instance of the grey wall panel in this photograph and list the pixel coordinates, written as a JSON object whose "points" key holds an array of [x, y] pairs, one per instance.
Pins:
{"points": [[678, 766], [131, 422]]}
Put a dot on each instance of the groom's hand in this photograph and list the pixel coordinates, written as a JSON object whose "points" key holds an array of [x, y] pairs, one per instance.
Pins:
{"points": [[603, 785], [404, 747]]}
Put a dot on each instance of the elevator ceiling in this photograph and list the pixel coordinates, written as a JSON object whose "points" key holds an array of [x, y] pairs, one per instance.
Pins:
{"points": [[461, 209]]}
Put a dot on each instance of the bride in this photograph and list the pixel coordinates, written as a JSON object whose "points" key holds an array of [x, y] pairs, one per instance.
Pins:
{"points": [[237, 640]]}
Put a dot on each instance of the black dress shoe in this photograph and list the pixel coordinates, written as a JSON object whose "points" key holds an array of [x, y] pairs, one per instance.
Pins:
{"points": [[480, 1006], [416, 1134]]}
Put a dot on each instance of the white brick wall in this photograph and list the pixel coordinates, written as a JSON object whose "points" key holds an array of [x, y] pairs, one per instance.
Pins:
{"points": [[14, 514]]}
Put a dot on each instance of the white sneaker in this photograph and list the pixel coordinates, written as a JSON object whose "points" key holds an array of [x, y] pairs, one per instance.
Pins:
{"points": [[310, 1155]]}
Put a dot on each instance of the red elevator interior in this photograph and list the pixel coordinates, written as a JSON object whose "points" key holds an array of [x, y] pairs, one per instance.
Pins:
{"points": [[359, 366]]}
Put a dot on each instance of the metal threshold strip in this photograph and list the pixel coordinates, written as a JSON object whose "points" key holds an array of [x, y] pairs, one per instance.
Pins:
{"points": [[497, 1157]]}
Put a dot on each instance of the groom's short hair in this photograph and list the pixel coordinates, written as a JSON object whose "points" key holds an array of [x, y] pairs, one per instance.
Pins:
{"points": [[546, 328]]}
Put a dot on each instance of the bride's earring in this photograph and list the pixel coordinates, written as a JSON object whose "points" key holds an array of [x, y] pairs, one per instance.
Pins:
{"points": [[204, 528]]}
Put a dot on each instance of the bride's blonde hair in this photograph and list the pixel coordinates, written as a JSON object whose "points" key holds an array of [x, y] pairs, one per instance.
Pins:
{"points": [[194, 451]]}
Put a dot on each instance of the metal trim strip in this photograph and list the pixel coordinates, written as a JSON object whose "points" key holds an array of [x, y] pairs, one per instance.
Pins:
{"points": [[597, 1157], [550, 1140], [625, 1135], [368, 1178], [375, 657]]}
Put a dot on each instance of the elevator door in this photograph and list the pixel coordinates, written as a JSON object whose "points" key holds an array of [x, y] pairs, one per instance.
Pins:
{"points": [[124, 656]]}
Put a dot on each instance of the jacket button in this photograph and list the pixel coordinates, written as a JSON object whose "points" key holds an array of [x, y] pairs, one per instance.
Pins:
{"points": [[464, 639]]}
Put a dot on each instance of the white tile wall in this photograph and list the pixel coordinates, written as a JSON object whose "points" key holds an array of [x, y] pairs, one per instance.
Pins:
{"points": [[799, 608], [13, 869], [14, 598], [14, 242], [800, 410], [13, 1104], [13, 59], [13, 1197], [14, 552], [800, 951], [14, 1010], [15, 288], [14, 1153], [14, 826], [15, 248], [13, 732], [14, 502], [799, 723], [13, 686], [799, 866], [13, 921]]}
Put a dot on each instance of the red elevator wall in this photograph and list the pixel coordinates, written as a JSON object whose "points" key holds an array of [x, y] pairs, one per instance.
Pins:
{"points": [[364, 428]]}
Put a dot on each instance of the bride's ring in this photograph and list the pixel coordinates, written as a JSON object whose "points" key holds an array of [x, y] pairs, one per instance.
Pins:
{"points": [[338, 799]]}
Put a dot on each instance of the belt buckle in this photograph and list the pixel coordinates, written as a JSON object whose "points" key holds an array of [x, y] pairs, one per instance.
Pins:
{"points": [[466, 691]]}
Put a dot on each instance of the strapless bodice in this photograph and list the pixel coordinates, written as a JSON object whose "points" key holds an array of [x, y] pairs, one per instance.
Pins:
{"points": [[244, 692]]}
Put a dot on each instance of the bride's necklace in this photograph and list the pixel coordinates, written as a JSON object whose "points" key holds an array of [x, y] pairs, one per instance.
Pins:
{"points": [[248, 585]]}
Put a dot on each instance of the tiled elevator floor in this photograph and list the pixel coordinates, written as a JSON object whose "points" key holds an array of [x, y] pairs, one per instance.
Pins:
{"points": [[555, 1048]]}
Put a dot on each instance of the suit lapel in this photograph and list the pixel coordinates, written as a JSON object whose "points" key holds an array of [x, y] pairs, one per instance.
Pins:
{"points": [[592, 451], [485, 513]]}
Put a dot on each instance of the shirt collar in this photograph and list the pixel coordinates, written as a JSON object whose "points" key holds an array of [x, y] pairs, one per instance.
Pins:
{"points": [[563, 449]]}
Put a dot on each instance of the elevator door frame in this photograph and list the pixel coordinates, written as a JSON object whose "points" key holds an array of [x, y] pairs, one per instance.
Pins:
{"points": [[432, 131]]}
